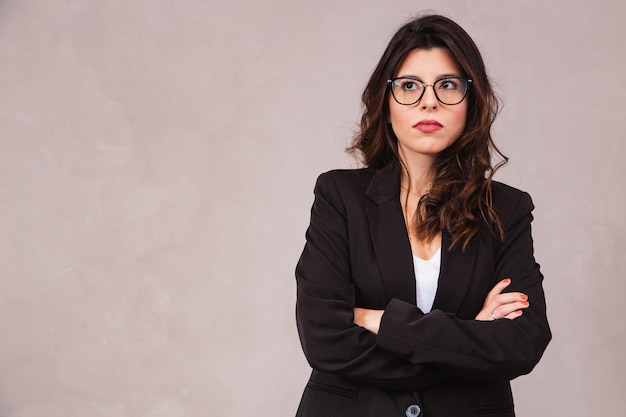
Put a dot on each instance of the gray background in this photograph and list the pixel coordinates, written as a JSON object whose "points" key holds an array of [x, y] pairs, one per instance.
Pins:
{"points": [[157, 160]]}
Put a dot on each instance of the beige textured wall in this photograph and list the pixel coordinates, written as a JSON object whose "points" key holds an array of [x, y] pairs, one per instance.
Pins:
{"points": [[157, 160]]}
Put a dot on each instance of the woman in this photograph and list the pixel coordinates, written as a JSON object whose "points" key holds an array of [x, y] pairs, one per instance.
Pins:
{"points": [[418, 292]]}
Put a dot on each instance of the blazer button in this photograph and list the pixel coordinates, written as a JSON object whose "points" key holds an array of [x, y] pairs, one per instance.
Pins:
{"points": [[413, 411]]}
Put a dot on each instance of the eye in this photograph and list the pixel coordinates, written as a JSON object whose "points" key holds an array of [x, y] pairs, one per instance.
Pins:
{"points": [[409, 85], [449, 84]]}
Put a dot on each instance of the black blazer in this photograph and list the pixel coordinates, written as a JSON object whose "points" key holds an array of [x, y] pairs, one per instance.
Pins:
{"points": [[447, 364]]}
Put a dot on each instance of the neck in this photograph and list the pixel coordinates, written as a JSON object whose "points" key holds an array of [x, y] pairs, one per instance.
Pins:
{"points": [[416, 177]]}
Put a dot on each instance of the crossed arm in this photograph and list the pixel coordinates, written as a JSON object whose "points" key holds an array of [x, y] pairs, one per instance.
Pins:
{"points": [[497, 305]]}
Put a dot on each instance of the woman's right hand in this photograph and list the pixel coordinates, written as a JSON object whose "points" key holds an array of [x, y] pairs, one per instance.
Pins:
{"points": [[500, 305]]}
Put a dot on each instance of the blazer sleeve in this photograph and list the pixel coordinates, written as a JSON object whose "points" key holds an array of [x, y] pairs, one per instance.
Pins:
{"points": [[325, 301], [481, 350]]}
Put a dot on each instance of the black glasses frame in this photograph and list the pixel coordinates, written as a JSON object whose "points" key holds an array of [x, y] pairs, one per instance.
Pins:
{"points": [[468, 83]]}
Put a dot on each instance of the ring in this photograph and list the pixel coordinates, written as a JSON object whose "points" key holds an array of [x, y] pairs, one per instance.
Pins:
{"points": [[494, 316]]}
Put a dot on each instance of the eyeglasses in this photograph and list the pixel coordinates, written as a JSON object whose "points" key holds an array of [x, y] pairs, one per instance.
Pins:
{"points": [[450, 90]]}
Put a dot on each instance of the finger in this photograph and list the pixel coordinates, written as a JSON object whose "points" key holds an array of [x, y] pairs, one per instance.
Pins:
{"points": [[500, 286], [496, 303], [506, 309], [515, 314], [509, 297]]}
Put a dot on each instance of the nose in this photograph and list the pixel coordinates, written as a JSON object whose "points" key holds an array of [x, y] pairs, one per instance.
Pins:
{"points": [[429, 99]]}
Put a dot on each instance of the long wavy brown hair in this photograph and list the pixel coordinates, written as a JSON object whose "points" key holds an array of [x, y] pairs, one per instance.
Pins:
{"points": [[460, 198]]}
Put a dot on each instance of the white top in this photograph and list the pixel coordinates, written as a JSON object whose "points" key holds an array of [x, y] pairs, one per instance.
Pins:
{"points": [[426, 279]]}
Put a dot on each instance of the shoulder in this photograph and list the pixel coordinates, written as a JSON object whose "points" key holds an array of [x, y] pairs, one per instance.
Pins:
{"points": [[347, 176], [510, 203], [345, 180], [341, 191]]}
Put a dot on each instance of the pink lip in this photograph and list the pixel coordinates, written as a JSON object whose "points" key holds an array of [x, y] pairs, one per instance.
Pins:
{"points": [[428, 126]]}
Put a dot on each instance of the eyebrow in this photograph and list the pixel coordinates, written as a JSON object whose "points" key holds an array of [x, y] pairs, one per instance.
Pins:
{"points": [[439, 77]]}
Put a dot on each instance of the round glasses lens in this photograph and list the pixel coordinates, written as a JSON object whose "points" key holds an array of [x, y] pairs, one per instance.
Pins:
{"points": [[406, 90], [451, 90]]}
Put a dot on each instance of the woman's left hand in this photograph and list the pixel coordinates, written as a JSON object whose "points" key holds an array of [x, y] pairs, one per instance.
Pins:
{"points": [[368, 319], [499, 305]]}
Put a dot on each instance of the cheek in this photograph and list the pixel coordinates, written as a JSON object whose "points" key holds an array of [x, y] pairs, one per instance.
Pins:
{"points": [[398, 115], [398, 126], [460, 118]]}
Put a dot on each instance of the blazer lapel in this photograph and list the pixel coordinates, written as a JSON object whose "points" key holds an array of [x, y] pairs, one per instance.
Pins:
{"points": [[457, 270], [389, 235]]}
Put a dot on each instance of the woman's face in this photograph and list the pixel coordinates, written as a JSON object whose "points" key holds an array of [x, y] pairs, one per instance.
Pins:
{"points": [[426, 128]]}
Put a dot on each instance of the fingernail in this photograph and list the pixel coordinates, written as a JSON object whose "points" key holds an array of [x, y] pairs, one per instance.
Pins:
{"points": [[507, 280], [524, 297]]}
